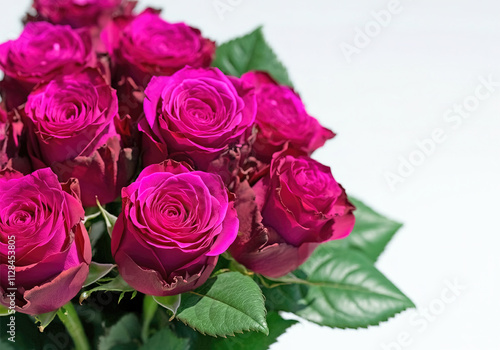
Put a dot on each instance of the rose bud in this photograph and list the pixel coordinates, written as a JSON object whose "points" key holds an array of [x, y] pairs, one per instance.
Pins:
{"points": [[42, 52], [72, 130], [42, 239], [196, 112], [282, 117], [288, 213], [173, 225], [146, 45], [77, 13]]}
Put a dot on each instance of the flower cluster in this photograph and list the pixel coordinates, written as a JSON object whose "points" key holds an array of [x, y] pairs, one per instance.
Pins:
{"points": [[101, 104]]}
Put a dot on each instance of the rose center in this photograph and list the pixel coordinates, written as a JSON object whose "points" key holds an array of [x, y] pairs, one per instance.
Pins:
{"points": [[172, 212], [20, 218]]}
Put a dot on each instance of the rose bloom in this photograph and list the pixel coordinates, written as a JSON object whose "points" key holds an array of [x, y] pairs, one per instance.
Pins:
{"points": [[71, 130], [146, 45], [195, 112], [282, 117], [42, 239], [173, 225], [288, 213], [44, 51], [77, 13]]}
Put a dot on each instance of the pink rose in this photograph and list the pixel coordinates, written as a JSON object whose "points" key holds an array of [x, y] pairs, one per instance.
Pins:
{"points": [[42, 239], [173, 225], [282, 117], [72, 130], [288, 213], [77, 13], [196, 112], [42, 52], [146, 45]]}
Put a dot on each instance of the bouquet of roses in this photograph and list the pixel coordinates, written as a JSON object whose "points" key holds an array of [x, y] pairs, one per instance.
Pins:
{"points": [[157, 189]]}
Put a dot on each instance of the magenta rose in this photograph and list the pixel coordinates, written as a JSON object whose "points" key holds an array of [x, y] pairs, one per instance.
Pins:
{"points": [[42, 240], [71, 123], [173, 225], [288, 213], [282, 117], [77, 13], [146, 45], [196, 112], [42, 52]]}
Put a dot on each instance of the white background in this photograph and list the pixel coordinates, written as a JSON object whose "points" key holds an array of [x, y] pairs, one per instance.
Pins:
{"points": [[395, 92]]}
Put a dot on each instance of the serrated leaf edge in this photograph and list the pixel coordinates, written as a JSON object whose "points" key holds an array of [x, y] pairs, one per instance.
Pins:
{"points": [[265, 329]]}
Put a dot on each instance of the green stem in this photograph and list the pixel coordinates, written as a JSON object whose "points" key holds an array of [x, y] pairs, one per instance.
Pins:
{"points": [[68, 316], [149, 307]]}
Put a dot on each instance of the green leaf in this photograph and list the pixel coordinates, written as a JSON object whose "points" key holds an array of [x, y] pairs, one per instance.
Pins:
{"points": [[223, 305], [249, 341], [6, 345], [120, 297], [28, 336], [236, 266], [92, 216], [3, 311], [286, 297], [116, 284], [45, 319], [109, 218], [166, 339], [371, 232], [250, 52], [97, 271], [96, 230], [171, 303], [125, 334], [345, 290]]}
